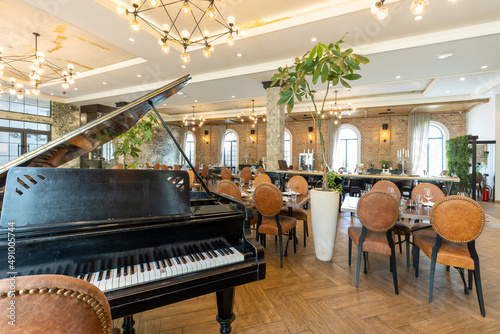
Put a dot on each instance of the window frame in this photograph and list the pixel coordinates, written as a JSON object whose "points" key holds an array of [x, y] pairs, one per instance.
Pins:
{"points": [[446, 136], [193, 160], [289, 163], [358, 139], [237, 163]]}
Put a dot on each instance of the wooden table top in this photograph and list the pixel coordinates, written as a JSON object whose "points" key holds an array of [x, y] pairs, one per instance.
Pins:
{"points": [[301, 199], [351, 205]]}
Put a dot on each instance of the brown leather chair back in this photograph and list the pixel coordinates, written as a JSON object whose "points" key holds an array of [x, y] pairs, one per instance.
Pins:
{"points": [[246, 175], [378, 210], [229, 188], [260, 179], [191, 178], [146, 165], [479, 178], [204, 172], [246, 168], [157, 165], [261, 170], [164, 167], [197, 169], [268, 199], [299, 184], [437, 193], [55, 304], [226, 174], [457, 219], [176, 167], [384, 185], [120, 166]]}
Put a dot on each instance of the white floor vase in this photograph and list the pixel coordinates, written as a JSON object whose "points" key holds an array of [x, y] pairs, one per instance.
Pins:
{"points": [[324, 217]]}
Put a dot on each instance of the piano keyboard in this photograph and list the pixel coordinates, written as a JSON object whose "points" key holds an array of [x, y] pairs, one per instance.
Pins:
{"points": [[164, 265]]}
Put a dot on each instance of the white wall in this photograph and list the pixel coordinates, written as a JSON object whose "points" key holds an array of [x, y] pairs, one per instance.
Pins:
{"points": [[481, 121]]}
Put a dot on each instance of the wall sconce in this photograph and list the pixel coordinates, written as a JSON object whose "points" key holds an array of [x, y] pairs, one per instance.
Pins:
{"points": [[252, 138], [311, 135], [385, 133], [205, 138]]}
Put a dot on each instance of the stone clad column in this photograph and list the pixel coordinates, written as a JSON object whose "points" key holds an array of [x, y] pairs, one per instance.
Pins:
{"points": [[275, 127]]}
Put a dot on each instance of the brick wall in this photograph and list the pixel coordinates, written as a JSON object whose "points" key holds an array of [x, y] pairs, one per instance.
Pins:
{"points": [[373, 149]]}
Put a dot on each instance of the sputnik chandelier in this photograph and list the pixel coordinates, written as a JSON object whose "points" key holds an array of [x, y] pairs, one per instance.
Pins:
{"points": [[193, 121], [252, 116], [171, 32], [337, 110], [35, 74], [417, 7]]}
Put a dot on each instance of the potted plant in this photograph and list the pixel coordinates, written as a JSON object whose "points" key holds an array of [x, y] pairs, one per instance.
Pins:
{"points": [[385, 164], [327, 65]]}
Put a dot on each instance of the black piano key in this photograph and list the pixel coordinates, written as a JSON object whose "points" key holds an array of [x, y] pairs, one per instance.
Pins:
{"points": [[59, 270], [174, 256], [216, 249], [148, 262], [209, 249], [126, 270], [89, 277], [132, 269], [199, 251], [108, 274], [67, 270], [206, 251], [226, 247], [158, 265], [221, 247], [48, 271], [191, 256], [118, 272], [101, 275], [183, 259]]}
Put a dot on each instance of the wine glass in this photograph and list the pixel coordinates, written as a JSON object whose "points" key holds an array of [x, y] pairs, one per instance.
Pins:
{"points": [[392, 191], [428, 195], [250, 185], [402, 204], [368, 187]]}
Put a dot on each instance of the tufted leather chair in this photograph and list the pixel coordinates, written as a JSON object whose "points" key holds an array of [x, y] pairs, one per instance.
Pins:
{"points": [[246, 175], [226, 174], [261, 170], [176, 167], [268, 200], [260, 179], [205, 174], [157, 165], [146, 165], [192, 180], [458, 221], [378, 212], [298, 184], [55, 304], [384, 185], [230, 188], [163, 167], [437, 195]]}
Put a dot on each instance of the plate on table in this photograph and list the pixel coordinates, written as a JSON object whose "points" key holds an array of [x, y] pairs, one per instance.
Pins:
{"points": [[428, 203]]}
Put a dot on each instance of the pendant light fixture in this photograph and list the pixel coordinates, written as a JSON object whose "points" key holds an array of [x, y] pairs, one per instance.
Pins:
{"points": [[193, 121]]}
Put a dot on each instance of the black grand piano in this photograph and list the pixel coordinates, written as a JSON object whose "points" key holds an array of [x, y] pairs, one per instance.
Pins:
{"points": [[140, 236]]}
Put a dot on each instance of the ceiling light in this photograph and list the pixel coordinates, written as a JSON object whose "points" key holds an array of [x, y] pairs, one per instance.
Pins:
{"points": [[193, 121], [418, 18], [75, 88], [139, 76], [131, 39], [232, 96], [338, 110], [104, 83], [183, 66], [239, 55], [398, 77], [164, 104], [490, 93], [169, 32], [417, 7], [462, 79], [447, 92], [180, 93], [195, 100], [483, 67], [452, 0], [379, 9], [314, 39], [445, 55]]}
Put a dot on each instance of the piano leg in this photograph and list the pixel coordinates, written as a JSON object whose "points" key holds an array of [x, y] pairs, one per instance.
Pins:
{"points": [[225, 308], [128, 325]]}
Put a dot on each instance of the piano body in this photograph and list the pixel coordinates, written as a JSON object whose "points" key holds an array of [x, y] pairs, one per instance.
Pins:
{"points": [[141, 236]]}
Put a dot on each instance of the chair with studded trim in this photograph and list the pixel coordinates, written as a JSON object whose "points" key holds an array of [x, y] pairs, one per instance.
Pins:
{"points": [[458, 221], [260, 179], [55, 304], [298, 184]]}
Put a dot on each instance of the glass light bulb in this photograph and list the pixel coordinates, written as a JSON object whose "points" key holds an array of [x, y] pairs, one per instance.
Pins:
{"points": [[1, 49], [12, 80], [206, 52], [419, 6], [71, 67], [382, 13], [65, 85], [19, 96], [206, 34], [1, 72], [71, 81], [185, 34], [153, 3], [230, 40], [185, 8], [122, 10], [135, 25], [211, 47], [165, 47], [19, 86], [211, 13], [32, 82], [39, 71], [374, 7], [185, 58], [12, 91], [231, 20]]}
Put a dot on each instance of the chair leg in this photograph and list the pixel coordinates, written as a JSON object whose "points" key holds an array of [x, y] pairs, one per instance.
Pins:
{"points": [[435, 250], [416, 259], [294, 238], [470, 278], [281, 250], [479, 291], [407, 241], [350, 250], [305, 231], [399, 242], [360, 250], [365, 271], [393, 261]]}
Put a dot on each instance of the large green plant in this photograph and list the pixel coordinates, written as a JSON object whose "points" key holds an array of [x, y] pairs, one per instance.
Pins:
{"points": [[128, 143], [325, 64], [459, 156]]}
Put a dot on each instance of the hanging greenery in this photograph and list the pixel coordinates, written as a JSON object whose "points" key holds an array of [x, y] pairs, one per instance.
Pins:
{"points": [[459, 156]]}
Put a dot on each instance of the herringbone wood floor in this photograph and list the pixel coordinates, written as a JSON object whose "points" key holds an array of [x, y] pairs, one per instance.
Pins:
{"points": [[310, 296]]}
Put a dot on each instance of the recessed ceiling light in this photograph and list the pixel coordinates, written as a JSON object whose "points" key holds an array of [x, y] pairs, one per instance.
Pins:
{"points": [[232, 96], [462, 79], [51, 93], [418, 18], [314, 39], [195, 100], [104, 83], [484, 66], [447, 92], [185, 96], [139, 76], [445, 55], [452, 0], [131, 39], [75, 88], [164, 104], [183, 66], [180, 93], [398, 77], [239, 55], [490, 93]]}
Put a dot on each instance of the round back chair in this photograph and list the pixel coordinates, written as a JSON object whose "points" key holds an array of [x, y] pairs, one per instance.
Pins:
{"points": [[437, 194], [157, 165], [163, 167], [191, 178], [176, 167], [260, 179], [378, 211], [298, 184], [246, 175], [229, 188], [246, 168], [55, 304], [226, 174], [261, 170], [204, 172], [146, 165], [384, 185], [457, 219], [268, 199]]}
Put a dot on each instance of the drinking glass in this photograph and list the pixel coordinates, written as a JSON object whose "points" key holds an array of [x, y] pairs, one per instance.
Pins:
{"points": [[277, 184], [241, 186], [428, 194], [368, 187], [463, 194], [392, 191], [418, 198], [250, 184], [402, 204], [294, 197], [288, 190]]}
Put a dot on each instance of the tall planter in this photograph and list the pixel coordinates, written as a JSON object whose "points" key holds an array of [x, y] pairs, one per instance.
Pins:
{"points": [[324, 217]]}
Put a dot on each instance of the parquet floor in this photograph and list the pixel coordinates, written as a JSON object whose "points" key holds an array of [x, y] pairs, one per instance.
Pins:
{"points": [[310, 296]]}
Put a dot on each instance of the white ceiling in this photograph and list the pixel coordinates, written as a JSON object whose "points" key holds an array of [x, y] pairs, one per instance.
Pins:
{"points": [[276, 31]]}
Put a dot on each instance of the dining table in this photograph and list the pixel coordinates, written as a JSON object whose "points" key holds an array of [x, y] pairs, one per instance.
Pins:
{"points": [[350, 204]]}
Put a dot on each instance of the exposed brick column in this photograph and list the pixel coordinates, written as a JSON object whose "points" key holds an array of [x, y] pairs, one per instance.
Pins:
{"points": [[275, 127]]}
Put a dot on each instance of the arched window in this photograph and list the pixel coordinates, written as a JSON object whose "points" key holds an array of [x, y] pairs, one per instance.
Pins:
{"points": [[288, 147], [231, 149], [349, 147], [190, 147], [436, 156]]}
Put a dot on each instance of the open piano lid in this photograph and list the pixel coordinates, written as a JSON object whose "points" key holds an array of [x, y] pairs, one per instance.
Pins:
{"points": [[93, 134]]}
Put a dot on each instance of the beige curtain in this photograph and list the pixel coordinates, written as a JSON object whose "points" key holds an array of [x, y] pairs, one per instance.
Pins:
{"points": [[222, 134], [333, 143], [418, 137], [182, 142]]}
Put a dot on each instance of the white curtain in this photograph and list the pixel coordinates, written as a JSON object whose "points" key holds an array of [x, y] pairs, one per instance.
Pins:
{"points": [[333, 144], [222, 135], [418, 138], [182, 142]]}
